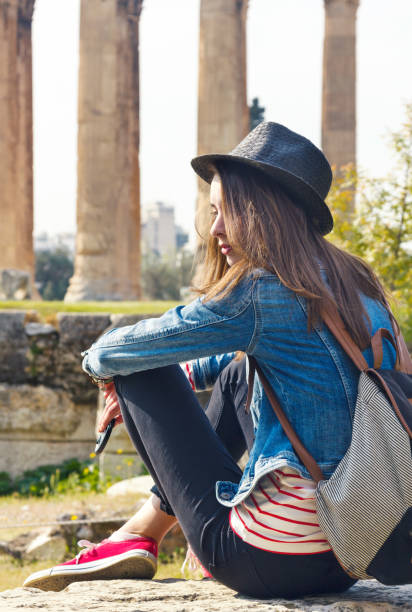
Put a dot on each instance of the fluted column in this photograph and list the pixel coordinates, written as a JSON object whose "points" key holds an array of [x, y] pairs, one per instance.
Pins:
{"points": [[16, 135], [223, 116], [107, 262], [339, 82]]}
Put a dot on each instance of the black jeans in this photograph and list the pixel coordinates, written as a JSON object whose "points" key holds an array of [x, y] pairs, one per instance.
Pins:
{"points": [[186, 454]]}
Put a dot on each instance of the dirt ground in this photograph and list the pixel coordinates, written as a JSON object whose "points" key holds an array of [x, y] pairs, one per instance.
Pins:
{"points": [[20, 515]]}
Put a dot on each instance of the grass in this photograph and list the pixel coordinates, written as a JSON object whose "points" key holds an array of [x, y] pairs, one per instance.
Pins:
{"points": [[47, 309], [19, 510]]}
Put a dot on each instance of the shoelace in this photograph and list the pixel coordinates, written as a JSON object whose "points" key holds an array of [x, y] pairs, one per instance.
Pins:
{"points": [[87, 547], [193, 564]]}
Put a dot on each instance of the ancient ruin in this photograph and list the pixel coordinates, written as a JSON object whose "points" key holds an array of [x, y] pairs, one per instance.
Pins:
{"points": [[339, 82], [107, 263], [223, 117], [16, 135]]}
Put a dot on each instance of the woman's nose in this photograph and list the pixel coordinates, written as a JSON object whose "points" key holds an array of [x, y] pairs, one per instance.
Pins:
{"points": [[218, 227]]}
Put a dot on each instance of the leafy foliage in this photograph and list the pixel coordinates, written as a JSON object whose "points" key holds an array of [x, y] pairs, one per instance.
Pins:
{"points": [[163, 278], [256, 114], [72, 475], [53, 271], [380, 228]]}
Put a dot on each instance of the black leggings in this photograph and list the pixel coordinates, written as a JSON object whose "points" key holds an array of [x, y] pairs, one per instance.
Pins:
{"points": [[186, 454]]}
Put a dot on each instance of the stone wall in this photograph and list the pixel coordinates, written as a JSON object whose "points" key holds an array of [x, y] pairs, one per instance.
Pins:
{"points": [[47, 403]]}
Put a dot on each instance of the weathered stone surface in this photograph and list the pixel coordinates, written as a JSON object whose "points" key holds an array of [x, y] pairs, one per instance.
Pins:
{"points": [[37, 409], [13, 347], [95, 529], [18, 455], [107, 259], [131, 486], [80, 330], [47, 545], [43, 342], [35, 329], [77, 333], [223, 118], [16, 141], [197, 596], [44, 544], [47, 403], [14, 285], [339, 82]]}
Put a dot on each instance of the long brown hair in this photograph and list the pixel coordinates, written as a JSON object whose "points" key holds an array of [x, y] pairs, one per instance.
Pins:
{"points": [[269, 231]]}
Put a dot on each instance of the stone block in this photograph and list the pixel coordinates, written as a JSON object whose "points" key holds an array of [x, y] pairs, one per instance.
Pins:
{"points": [[43, 340], [80, 330], [15, 285], [46, 546], [37, 409], [77, 333], [13, 347], [140, 485], [18, 455]]}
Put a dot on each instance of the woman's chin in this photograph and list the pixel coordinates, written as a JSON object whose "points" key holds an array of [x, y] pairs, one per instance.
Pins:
{"points": [[232, 259]]}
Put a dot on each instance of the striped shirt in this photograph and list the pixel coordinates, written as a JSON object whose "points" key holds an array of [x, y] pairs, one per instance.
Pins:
{"points": [[280, 515]]}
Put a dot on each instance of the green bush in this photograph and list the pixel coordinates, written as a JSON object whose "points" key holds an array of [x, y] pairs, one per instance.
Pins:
{"points": [[70, 476], [380, 228]]}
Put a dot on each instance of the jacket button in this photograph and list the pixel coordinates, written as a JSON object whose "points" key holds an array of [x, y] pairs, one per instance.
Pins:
{"points": [[225, 495]]}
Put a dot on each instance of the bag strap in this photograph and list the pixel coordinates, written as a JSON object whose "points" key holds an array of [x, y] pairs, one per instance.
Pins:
{"points": [[336, 326], [334, 322], [301, 451], [377, 347]]}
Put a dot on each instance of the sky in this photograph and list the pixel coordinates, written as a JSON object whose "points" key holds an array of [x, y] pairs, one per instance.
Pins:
{"points": [[284, 42]]}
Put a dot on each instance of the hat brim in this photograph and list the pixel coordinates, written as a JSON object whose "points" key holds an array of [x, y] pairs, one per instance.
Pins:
{"points": [[298, 190]]}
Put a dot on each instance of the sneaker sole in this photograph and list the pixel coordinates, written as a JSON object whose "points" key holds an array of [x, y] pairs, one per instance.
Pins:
{"points": [[129, 565]]}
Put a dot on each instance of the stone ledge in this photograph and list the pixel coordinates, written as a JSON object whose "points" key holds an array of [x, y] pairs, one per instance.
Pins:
{"points": [[198, 596]]}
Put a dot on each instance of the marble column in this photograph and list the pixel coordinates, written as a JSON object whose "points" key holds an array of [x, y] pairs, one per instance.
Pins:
{"points": [[107, 262], [223, 114], [16, 136], [339, 83]]}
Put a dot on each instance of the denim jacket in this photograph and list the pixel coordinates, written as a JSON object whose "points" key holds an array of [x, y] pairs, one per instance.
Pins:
{"points": [[314, 380]]}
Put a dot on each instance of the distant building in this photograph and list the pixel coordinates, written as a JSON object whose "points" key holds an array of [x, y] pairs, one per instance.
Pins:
{"points": [[160, 234], [182, 237], [47, 242]]}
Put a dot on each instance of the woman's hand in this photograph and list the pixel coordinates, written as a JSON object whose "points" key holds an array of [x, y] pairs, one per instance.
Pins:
{"points": [[111, 408]]}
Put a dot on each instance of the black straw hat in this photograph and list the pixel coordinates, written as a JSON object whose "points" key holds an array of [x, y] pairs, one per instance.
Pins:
{"points": [[296, 164]]}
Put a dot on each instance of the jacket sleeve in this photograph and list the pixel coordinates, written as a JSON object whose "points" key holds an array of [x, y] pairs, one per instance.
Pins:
{"points": [[206, 370], [182, 333]]}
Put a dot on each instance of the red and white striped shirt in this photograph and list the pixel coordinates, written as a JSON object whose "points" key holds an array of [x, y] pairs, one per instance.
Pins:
{"points": [[280, 515]]}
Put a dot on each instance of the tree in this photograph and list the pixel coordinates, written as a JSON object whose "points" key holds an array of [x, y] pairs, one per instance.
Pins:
{"points": [[256, 113], [164, 277], [380, 228], [53, 271]]}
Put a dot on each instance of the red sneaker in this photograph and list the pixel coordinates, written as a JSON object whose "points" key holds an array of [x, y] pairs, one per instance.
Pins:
{"points": [[136, 558]]}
